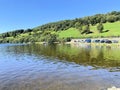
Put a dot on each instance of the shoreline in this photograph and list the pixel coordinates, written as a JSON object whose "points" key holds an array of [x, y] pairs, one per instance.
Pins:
{"points": [[95, 44]]}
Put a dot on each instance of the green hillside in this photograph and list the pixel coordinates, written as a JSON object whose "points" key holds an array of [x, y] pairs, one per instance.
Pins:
{"points": [[99, 25], [113, 30]]}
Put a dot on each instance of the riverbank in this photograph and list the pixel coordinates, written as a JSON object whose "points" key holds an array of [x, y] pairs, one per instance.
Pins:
{"points": [[95, 45]]}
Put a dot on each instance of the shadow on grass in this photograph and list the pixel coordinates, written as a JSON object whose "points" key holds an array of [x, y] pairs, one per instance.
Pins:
{"points": [[84, 32], [105, 31]]}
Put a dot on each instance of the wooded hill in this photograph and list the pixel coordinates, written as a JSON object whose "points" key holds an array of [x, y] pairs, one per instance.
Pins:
{"points": [[99, 25]]}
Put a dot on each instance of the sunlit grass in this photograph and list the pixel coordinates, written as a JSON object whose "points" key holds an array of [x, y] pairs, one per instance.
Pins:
{"points": [[113, 30]]}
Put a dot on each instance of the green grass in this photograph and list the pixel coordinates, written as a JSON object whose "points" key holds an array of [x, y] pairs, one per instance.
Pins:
{"points": [[114, 30], [24, 35], [72, 32]]}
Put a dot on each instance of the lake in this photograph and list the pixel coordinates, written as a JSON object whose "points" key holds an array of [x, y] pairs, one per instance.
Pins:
{"points": [[58, 67]]}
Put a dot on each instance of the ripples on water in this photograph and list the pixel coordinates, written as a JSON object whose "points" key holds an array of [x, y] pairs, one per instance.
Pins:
{"points": [[59, 67]]}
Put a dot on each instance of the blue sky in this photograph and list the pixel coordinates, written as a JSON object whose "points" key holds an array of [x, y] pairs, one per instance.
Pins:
{"points": [[23, 14]]}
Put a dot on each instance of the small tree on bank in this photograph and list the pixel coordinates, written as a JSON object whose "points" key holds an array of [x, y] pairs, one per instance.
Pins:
{"points": [[86, 30], [52, 38], [100, 27]]}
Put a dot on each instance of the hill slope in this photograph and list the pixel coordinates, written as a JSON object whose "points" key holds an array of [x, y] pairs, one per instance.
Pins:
{"points": [[65, 30], [110, 30]]}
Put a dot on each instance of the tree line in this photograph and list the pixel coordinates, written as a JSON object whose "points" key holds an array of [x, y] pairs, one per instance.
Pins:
{"points": [[79, 22]]}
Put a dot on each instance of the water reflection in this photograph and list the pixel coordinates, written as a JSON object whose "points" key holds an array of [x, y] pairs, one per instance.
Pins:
{"points": [[58, 67], [98, 57]]}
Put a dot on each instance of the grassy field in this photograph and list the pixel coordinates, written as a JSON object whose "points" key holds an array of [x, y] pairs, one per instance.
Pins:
{"points": [[110, 29]]}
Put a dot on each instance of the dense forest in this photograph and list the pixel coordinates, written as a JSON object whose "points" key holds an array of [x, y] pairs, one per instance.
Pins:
{"points": [[49, 32]]}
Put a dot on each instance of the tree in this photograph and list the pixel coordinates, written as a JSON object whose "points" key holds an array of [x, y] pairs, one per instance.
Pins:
{"points": [[103, 20], [111, 18], [100, 27], [86, 29], [52, 38], [78, 26], [28, 30]]}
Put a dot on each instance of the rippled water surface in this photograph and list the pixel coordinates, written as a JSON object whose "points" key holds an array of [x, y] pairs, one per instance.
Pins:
{"points": [[59, 67]]}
